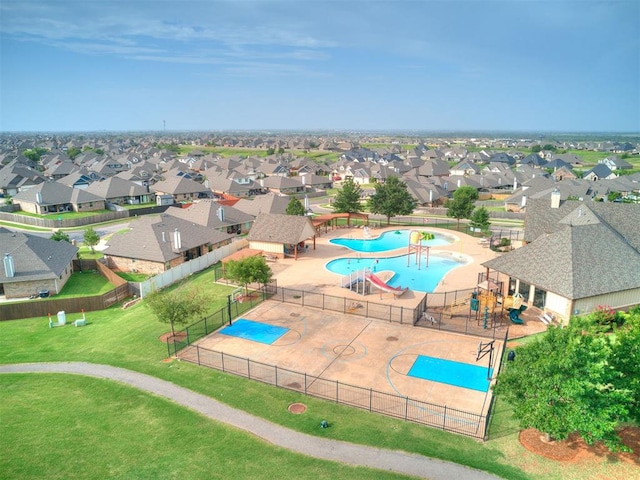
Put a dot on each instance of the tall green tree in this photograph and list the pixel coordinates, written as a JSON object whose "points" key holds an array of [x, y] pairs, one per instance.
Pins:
{"points": [[575, 379], [295, 207], [73, 152], [480, 218], [461, 205], [176, 307], [248, 270], [392, 198], [91, 238], [347, 200], [35, 154], [60, 236]]}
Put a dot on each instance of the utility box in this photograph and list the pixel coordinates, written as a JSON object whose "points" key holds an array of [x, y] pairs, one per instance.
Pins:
{"points": [[62, 318]]}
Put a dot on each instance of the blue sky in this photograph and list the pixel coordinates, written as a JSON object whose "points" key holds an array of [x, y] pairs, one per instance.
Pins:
{"points": [[506, 65]]}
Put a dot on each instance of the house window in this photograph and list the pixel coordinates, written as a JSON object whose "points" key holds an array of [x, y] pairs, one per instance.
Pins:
{"points": [[91, 204]]}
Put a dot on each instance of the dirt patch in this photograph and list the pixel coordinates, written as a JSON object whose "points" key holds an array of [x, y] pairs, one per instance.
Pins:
{"points": [[297, 408], [574, 449], [168, 337]]}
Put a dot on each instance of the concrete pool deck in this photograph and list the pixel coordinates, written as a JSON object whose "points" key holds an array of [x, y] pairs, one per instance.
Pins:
{"points": [[309, 273]]}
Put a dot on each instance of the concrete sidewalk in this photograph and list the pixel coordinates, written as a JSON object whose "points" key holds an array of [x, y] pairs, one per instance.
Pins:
{"points": [[333, 450]]}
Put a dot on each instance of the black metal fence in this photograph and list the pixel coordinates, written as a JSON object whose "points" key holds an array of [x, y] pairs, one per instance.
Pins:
{"points": [[425, 413]]}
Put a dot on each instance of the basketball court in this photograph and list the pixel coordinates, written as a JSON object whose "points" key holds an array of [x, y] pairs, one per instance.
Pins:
{"points": [[420, 364]]}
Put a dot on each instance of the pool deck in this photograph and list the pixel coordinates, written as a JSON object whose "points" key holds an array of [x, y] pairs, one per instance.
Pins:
{"points": [[309, 273]]}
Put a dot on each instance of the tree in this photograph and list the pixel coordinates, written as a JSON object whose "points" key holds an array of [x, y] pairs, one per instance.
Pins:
{"points": [[91, 238], [35, 154], [60, 236], [480, 218], [249, 270], [461, 206], [73, 152], [295, 207], [392, 198], [347, 200], [576, 379], [177, 306], [536, 148]]}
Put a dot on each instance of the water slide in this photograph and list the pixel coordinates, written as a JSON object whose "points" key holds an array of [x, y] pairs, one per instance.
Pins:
{"points": [[378, 283]]}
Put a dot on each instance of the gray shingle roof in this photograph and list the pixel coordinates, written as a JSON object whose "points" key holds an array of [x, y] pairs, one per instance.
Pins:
{"points": [[34, 258], [145, 239], [290, 229], [582, 256], [205, 213]]}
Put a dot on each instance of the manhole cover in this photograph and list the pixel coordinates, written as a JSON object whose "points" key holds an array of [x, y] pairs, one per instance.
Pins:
{"points": [[392, 339], [297, 408]]}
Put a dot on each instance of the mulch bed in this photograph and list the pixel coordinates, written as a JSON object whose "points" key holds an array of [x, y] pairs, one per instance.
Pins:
{"points": [[574, 449], [179, 336]]}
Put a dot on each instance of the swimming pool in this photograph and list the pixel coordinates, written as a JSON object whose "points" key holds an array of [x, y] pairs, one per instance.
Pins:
{"points": [[424, 280], [390, 240]]}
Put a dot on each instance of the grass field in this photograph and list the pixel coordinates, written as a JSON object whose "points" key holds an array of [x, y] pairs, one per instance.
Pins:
{"points": [[116, 419]]}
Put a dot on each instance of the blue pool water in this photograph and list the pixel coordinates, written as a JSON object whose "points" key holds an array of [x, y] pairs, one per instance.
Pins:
{"points": [[459, 374], [424, 280], [388, 241], [255, 331]]}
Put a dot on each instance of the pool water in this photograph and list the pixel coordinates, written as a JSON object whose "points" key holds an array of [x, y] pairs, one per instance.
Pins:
{"points": [[424, 280], [391, 240]]}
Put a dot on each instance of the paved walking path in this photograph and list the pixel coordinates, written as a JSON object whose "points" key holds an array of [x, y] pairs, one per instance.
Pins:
{"points": [[348, 453]]}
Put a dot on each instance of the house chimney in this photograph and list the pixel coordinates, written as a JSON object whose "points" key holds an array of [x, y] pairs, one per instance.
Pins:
{"points": [[303, 178], [459, 183], [164, 239], [555, 198], [220, 213], [430, 196], [515, 184], [38, 197], [177, 241], [9, 267], [524, 201]]}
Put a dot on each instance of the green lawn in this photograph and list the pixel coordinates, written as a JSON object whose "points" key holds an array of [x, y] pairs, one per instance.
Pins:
{"points": [[83, 284], [130, 339], [72, 432]]}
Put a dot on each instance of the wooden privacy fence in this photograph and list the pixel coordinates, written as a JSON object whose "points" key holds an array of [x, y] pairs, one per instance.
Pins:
{"points": [[45, 306]]}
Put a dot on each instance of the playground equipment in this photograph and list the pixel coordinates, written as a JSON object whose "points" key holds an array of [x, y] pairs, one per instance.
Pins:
{"points": [[357, 281], [415, 246]]}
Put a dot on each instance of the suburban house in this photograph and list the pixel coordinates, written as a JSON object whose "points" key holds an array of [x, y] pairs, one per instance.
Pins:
{"points": [[211, 214], [16, 177], [281, 235], [579, 255], [616, 163], [180, 188], [284, 185], [119, 191], [267, 203], [33, 264], [54, 197], [600, 171], [155, 244]]}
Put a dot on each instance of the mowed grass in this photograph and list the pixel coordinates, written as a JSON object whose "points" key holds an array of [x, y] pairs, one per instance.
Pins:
{"points": [[86, 428], [130, 339], [81, 284]]}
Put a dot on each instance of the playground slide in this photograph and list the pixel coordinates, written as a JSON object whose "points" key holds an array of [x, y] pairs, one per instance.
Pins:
{"points": [[514, 316], [378, 283]]}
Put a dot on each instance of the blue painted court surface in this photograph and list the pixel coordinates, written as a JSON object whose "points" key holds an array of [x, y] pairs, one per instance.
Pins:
{"points": [[453, 373], [255, 331]]}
